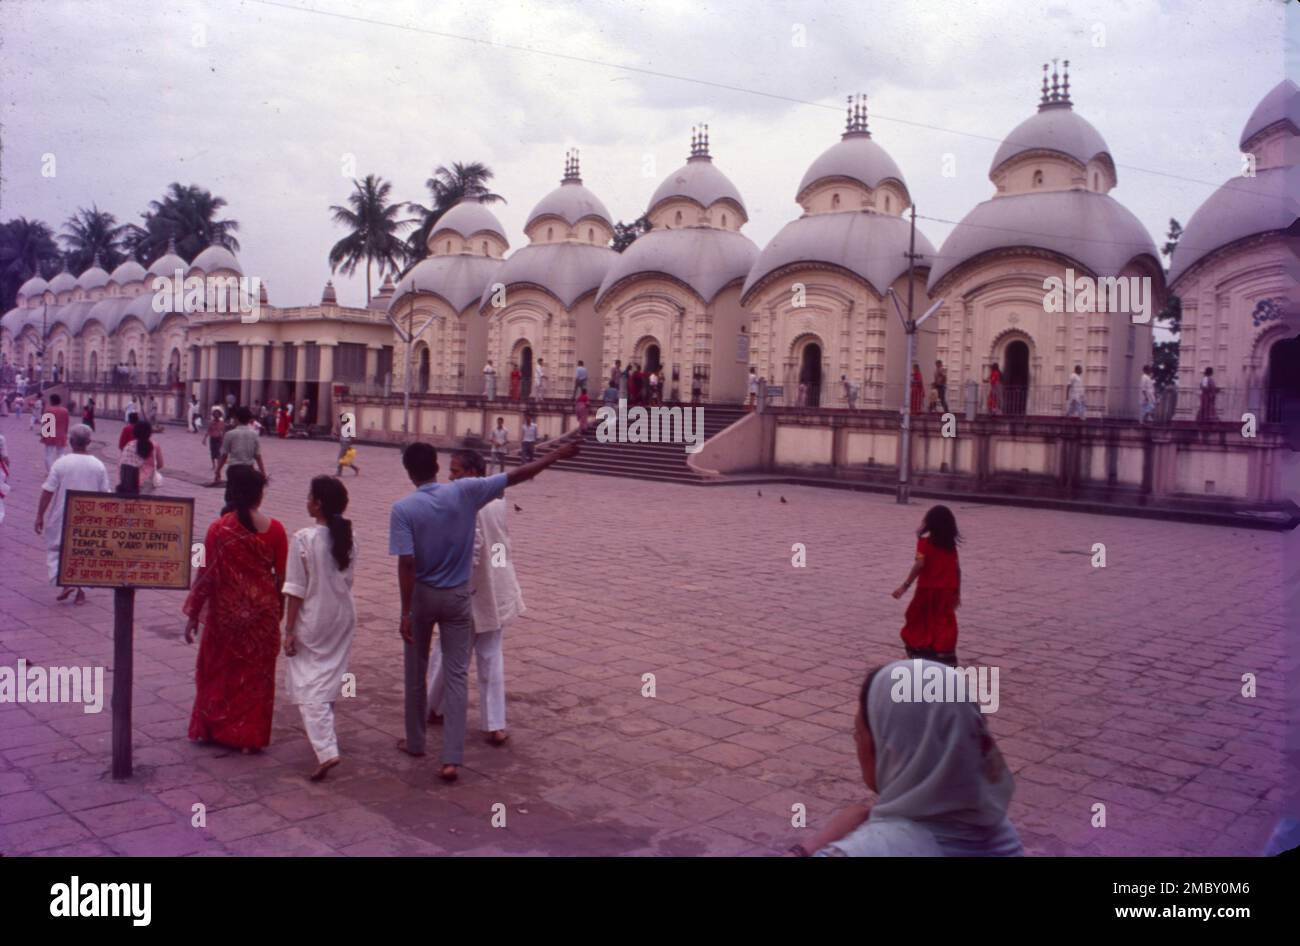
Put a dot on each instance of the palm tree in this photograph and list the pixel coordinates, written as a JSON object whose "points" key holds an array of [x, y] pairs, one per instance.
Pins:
{"points": [[373, 226], [91, 233], [187, 215], [447, 187], [27, 249]]}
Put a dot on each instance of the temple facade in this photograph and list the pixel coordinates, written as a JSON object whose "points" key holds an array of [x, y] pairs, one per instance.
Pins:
{"points": [[1051, 218], [671, 300], [695, 299], [1236, 275], [817, 293]]}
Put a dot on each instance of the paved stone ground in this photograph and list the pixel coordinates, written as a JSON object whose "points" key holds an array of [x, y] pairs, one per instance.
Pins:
{"points": [[1118, 685]]}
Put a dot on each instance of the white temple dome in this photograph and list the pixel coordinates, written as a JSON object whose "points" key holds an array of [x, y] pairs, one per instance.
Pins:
{"points": [[869, 245], [128, 272], [705, 259], [214, 259], [33, 287], [468, 217]]}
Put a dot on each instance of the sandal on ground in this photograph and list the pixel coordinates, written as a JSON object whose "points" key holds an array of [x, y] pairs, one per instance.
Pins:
{"points": [[498, 737], [449, 773], [66, 593], [80, 598], [322, 770]]}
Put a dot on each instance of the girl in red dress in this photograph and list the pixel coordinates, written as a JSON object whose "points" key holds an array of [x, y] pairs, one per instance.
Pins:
{"points": [[930, 628], [236, 598], [995, 389], [282, 423], [516, 383]]}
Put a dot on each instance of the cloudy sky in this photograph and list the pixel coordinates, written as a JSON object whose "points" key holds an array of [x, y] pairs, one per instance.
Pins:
{"points": [[261, 101]]}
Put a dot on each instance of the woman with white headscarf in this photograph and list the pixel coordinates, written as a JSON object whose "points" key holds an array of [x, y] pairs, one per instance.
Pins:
{"points": [[943, 785]]}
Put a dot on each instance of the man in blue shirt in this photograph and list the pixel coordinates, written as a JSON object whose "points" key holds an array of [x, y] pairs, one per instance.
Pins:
{"points": [[432, 532]]}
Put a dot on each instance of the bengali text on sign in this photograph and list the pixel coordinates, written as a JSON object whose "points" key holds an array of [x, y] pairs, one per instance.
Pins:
{"points": [[114, 541]]}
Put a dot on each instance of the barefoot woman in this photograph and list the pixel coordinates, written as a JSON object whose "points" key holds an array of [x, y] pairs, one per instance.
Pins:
{"points": [[236, 598]]}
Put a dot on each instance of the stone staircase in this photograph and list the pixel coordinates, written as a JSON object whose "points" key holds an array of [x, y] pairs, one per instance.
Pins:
{"points": [[665, 462]]}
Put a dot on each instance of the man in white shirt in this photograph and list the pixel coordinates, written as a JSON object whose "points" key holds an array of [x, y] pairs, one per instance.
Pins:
{"points": [[753, 388], [1074, 395], [489, 381], [495, 600], [1148, 395], [77, 470], [499, 439], [539, 380], [528, 438], [131, 408]]}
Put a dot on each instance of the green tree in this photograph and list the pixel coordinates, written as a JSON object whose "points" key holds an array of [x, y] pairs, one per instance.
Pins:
{"points": [[1164, 355], [447, 187], [187, 215], [91, 233], [27, 249], [373, 225], [625, 234]]}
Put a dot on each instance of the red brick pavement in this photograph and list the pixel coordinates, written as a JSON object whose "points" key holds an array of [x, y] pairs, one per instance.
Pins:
{"points": [[1118, 685]]}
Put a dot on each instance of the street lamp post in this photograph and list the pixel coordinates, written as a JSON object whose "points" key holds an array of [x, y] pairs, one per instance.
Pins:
{"points": [[910, 326]]}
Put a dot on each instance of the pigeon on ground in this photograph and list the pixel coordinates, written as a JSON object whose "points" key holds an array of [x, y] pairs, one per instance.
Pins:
{"points": [[760, 494], [517, 508], [782, 499]]}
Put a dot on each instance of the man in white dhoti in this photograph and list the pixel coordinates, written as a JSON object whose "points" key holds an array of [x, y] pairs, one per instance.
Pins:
{"points": [[77, 470], [1147, 391], [322, 616], [496, 599]]}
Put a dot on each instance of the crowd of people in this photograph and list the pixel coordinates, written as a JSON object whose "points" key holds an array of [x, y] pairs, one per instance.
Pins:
{"points": [[261, 595]]}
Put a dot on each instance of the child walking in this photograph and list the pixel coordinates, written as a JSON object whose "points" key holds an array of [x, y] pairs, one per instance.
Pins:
{"points": [[930, 628], [347, 457], [322, 616]]}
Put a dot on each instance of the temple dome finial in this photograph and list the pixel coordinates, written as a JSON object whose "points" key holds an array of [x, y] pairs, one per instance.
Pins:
{"points": [[700, 141], [572, 174], [855, 121], [1057, 95]]}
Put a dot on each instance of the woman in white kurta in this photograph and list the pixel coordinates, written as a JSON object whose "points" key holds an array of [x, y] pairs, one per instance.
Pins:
{"points": [[495, 600], [322, 616]]}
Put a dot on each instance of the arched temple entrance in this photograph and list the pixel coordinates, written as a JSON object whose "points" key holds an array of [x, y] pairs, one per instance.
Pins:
{"points": [[424, 370], [1282, 402], [524, 358], [808, 389], [1015, 378]]}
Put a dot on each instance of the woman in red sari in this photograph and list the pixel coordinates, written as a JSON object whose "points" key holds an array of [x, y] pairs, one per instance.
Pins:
{"points": [[918, 390], [516, 383], [282, 423], [995, 389], [236, 598]]}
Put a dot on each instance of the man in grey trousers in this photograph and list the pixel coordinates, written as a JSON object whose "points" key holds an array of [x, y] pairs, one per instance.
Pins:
{"points": [[431, 531]]}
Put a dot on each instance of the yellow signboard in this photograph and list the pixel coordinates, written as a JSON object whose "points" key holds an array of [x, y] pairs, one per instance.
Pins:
{"points": [[112, 541]]}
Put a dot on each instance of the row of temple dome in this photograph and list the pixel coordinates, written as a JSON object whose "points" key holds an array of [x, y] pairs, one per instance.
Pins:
{"points": [[1052, 175]]}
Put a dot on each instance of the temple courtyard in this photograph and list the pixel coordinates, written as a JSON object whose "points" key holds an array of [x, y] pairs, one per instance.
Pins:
{"points": [[1119, 685]]}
